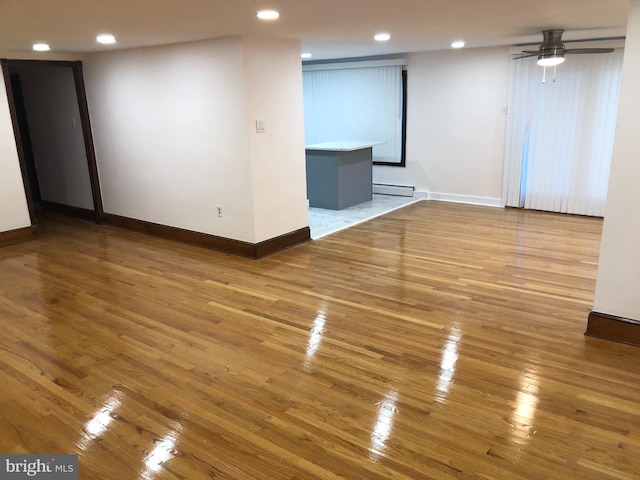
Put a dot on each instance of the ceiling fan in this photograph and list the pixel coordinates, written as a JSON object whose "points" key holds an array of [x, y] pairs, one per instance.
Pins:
{"points": [[552, 50]]}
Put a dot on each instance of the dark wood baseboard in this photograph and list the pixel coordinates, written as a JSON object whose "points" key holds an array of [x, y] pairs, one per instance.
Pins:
{"points": [[17, 236], [68, 210], [213, 242], [616, 329], [282, 242]]}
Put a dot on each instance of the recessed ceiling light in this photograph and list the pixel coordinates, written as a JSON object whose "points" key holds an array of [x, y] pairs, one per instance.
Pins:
{"points": [[306, 55], [41, 47], [457, 44], [382, 37], [268, 15], [106, 39]]}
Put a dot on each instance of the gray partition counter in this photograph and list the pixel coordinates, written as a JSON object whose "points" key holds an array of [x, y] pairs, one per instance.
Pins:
{"points": [[339, 174]]}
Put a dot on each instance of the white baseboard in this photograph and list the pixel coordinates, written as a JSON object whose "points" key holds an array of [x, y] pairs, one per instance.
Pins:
{"points": [[421, 194], [468, 199]]}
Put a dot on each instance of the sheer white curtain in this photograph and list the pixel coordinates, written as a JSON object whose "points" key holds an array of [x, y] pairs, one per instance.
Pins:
{"points": [[560, 134], [355, 104]]}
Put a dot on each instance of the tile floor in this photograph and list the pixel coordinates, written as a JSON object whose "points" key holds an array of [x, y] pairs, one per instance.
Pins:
{"points": [[324, 222]]}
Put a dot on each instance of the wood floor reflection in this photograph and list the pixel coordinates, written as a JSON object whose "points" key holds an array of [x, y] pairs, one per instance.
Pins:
{"points": [[439, 341]]}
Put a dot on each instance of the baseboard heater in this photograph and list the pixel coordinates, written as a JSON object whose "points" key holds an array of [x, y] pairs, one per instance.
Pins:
{"points": [[400, 190]]}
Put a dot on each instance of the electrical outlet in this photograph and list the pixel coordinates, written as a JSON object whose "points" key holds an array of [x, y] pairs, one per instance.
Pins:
{"points": [[219, 210], [260, 128]]}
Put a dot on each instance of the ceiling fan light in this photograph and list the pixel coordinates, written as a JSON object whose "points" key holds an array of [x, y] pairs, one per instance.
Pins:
{"points": [[550, 61]]}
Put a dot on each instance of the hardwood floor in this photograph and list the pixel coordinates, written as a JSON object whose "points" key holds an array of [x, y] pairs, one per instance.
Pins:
{"points": [[439, 341]]}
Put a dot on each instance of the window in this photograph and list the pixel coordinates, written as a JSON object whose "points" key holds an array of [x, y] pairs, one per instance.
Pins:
{"points": [[357, 101], [560, 134]]}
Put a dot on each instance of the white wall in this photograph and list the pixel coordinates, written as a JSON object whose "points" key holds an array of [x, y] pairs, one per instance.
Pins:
{"points": [[56, 135], [170, 134], [14, 212], [174, 130], [455, 125], [274, 95], [618, 281]]}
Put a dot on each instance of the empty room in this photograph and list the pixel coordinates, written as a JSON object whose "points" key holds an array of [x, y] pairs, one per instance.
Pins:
{"points": [[318, 240]]}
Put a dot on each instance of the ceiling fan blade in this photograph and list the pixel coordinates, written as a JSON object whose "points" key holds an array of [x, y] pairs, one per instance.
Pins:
{"points": [[552, 46], [588, 50]]}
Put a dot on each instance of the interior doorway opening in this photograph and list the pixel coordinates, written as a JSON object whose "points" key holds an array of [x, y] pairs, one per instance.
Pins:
{"points": [[53, 136]]}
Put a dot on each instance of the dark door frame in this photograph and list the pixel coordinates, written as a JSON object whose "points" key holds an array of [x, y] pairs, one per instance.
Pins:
{"points": [[76, 67]]}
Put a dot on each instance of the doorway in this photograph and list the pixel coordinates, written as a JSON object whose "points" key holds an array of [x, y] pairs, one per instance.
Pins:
{"points": [[53, 136]]}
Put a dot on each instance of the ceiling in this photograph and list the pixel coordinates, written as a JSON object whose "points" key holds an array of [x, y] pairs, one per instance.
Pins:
{"points": [[327, 28]]}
